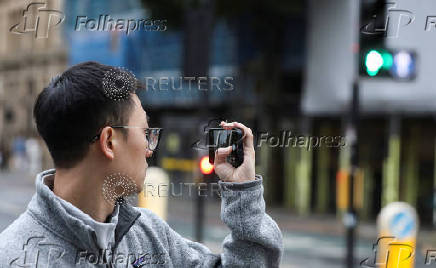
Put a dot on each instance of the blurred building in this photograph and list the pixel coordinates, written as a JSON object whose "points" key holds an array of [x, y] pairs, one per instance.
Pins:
{"points": [[28, 60], [397, 129]]}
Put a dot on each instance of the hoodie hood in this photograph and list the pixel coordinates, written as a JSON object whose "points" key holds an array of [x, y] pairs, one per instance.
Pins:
{"points": [[46, 208]]}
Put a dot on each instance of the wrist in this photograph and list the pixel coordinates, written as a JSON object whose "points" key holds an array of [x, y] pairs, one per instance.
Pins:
{"points": [[231, 185]]}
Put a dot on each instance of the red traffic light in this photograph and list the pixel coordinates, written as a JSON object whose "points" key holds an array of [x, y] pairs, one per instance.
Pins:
{"points": [[205, 167]]}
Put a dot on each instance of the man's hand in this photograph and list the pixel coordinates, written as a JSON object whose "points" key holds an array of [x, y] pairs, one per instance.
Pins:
{"points": [[245, 172]]}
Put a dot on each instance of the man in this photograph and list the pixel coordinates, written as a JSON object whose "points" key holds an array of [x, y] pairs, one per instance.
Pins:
{"points": [[99, 139]]}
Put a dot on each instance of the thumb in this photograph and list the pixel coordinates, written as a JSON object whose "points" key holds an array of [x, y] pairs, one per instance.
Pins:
{"points": [[221, 154]]}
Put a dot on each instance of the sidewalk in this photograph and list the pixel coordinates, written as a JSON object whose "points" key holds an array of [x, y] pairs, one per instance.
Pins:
{"points": [[183, 210], [287, 221], [307, 242]]}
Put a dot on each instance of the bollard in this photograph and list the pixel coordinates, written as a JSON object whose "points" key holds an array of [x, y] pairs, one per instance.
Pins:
{"points": [[397, 226], [154, 195]]}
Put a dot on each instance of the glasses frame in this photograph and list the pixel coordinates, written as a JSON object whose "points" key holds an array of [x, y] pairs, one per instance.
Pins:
{"points": [[147, 133]]}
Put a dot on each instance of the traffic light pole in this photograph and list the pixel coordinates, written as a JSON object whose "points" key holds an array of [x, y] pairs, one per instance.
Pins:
{"points": [[199, 218], [350, 219], [196, 64]]}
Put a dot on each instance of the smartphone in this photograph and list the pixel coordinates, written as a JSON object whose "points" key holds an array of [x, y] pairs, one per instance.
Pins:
{"points": [[219, 138]]}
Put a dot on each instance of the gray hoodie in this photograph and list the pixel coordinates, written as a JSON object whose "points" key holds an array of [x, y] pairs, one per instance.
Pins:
{"points": [[46, 235]]}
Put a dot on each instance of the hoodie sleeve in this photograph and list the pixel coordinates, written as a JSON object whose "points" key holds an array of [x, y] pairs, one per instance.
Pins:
{"points": [[255, 239]]}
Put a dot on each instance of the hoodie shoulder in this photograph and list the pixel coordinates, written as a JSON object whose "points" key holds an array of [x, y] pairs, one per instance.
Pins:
{"points": [[27, 237], [151, 218], [15, 230], [154, 222], [15, 238], [23, 229]]}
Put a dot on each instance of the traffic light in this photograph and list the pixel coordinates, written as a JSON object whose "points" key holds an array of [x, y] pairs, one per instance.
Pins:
{"points": [[376, 60], [388, 63], [206, 168]]}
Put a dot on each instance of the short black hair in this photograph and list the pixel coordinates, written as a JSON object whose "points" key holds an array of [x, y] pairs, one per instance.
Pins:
{"points": [[71, 110]]}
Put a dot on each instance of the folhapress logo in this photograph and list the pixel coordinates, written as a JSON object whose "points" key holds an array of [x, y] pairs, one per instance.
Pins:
{"points": [[388, 252], [394, 21], [39, 19], [38, 250]]}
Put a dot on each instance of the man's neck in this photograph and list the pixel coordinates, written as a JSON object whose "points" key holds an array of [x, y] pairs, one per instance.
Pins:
{"points": [[83, 189]]}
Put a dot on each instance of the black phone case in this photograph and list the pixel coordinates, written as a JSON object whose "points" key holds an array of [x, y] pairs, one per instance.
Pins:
{"points": [[236, 157]]}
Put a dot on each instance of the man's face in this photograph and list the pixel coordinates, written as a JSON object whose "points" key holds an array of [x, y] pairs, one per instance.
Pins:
{"points": [[134, 151]]}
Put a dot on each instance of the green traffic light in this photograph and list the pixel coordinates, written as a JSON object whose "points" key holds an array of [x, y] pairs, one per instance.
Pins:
{"points": [[376, 60], [388, 60], [373, 62]]}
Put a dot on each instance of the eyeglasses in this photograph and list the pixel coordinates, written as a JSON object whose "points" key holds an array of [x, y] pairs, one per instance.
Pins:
{"points": [[152, 135]]}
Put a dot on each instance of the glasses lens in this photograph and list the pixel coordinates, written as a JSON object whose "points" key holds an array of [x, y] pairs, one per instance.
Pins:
{"points": [[153, 138]]}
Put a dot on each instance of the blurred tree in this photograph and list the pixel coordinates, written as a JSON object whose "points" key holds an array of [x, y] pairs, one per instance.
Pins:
{"points": [[264, 22]]}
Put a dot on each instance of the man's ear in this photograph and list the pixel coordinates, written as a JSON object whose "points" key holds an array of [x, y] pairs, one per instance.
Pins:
{"points": [[107, 141]]}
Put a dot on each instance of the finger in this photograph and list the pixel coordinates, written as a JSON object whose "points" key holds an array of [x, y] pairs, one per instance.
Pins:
{"points": [[248, 134], [221, 154], [226, 125], [247, 138], [229, 126]]}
